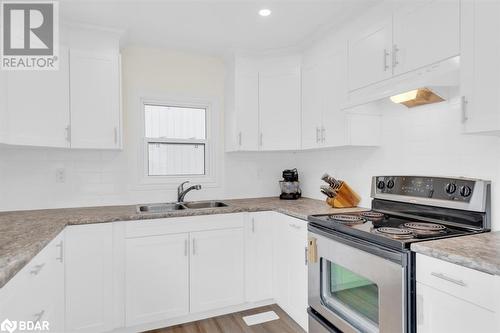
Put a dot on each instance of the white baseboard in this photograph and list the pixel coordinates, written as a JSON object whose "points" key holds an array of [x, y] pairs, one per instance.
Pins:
{"points": [[194, 317]]}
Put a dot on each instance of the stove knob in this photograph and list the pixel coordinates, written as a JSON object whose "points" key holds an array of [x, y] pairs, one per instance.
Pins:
{"points": [[380, 185], [390, 184], [465, 191], [450, 188]]}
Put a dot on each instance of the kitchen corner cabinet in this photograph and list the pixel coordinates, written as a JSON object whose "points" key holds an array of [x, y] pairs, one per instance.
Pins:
{"points": [[259, 238], [89, 278], [263, 109], [36, 293], [279, 107], [42, 118], [451, 298], [95, 100], [480, 67]]}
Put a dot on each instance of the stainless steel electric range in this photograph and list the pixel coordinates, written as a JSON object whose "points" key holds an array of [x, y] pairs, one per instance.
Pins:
{"points": [[361, 269]]}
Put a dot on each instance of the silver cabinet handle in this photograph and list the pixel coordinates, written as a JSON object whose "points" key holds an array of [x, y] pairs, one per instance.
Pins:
{"points": [[317, 134], [61, 251], [116, 135], [323, 134], [386, 65], [36, 269], [253, 225], [305, 255], [295, 226], [186, 247], [449, 279], [38, 316], [194, 247], [261, 139], [239, 139], [395, 51], [465, 102], [68, 133]]}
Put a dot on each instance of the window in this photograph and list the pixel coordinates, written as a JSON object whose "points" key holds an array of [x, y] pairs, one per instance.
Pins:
{"points": [[176, 140]]}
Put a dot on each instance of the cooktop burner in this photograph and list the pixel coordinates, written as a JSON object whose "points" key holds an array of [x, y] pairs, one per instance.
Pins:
{"points": [[396, 233], [347, 219], [425, 227], [372, 215]]}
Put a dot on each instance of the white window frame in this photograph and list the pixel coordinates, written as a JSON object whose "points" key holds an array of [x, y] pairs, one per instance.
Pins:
{"points": [[172, 181]]}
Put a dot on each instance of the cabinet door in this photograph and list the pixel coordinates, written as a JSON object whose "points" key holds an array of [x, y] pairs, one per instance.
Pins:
{"points": [[258, 257], [312, 106], [216, 269], [479, 66], [89, 282], [334, 76], [279, 106], [297, 270], [425, 33], [247, 110], [370, 55], [439, 312], [95, 100], [36, 293], [157, 278], [38, 106]]}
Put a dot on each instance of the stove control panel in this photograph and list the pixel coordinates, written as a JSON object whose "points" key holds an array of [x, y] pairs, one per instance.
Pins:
{"points": [[450, 189]]}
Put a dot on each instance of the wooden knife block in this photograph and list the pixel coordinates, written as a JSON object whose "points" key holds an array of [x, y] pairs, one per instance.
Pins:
{"points": [[346, 198]]}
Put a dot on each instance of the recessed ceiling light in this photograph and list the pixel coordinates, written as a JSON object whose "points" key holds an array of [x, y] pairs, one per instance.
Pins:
{"points": [[265, 12]]}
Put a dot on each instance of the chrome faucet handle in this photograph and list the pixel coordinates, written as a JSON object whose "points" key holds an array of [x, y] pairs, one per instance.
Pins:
{"points": [[180, 188]]}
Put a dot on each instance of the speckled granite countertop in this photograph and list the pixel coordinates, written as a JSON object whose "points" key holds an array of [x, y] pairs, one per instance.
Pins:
{"points": [[480, 252], [24, 233]]}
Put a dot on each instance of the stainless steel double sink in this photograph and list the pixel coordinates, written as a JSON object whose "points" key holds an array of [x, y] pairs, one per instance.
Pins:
{"points": [[176, 206]]}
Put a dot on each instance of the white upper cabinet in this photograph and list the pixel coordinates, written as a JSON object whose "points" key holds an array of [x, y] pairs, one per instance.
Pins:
{"points": [[480, 66], [247, 109], [279, 102], [95, 100], [424, 33], [416, 34], [370, 55], [312, 106], [38, 106]]}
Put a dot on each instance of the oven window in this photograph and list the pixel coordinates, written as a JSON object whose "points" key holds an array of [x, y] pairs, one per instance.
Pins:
{"points": [[350, 295]]}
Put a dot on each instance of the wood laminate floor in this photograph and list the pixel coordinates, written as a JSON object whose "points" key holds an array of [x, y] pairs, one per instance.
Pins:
{"points": [[233, 323]]}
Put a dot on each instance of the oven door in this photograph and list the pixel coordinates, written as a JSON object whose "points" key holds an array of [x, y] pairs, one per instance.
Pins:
{"points": [[355, 285]]}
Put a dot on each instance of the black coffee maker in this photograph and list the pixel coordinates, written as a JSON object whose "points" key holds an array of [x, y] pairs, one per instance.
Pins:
{"points": [[290, 186]]}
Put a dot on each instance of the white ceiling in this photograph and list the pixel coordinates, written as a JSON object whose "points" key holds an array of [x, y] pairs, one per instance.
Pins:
{"points": [[214, 26]]}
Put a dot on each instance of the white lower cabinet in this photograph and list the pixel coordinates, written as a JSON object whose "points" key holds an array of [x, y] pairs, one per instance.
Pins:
{"points": [[36, 293], [89, 278], [216, 275], [290, 266], [452, 298], [157, 278], [259, 238]]}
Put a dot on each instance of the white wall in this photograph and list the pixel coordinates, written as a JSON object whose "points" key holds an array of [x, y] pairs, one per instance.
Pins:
{"points": [[28, 175]]}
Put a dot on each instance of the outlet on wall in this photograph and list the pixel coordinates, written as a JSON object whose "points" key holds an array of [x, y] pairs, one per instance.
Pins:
{"points": [[60, 175]]}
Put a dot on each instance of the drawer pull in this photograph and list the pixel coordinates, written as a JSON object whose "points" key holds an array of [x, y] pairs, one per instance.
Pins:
{"points": [[61, 251], [295, 226], [449, 279], [38, 316], [37, 269]]}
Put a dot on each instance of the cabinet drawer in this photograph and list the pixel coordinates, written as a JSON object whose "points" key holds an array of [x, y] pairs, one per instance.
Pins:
{"points": [[476, 287], [175, 225]]}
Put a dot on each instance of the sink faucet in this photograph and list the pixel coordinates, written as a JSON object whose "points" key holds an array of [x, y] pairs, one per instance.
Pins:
{"points": [[181, 192]]}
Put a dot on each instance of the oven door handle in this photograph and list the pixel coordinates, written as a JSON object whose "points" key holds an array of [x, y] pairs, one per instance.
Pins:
{"points": [[392, 255]]}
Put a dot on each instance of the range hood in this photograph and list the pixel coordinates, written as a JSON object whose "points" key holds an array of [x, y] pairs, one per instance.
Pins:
{"points": [[426, 85]]}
